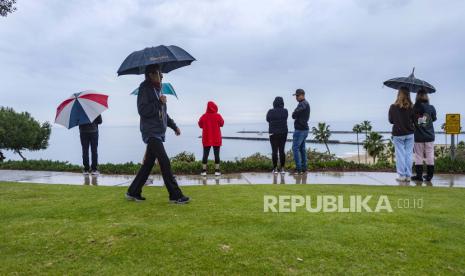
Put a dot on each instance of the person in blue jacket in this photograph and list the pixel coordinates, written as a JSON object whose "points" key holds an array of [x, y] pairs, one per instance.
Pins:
{"points": [[301, 115]]}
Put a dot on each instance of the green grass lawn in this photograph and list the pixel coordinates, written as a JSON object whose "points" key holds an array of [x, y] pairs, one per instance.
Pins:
{"points": [[60, 229]]}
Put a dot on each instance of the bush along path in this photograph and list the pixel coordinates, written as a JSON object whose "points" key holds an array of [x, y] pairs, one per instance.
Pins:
{"points": [[185, 163]]}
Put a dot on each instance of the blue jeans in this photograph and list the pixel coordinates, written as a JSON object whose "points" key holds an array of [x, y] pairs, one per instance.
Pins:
{"points": [[404, 154], [298, 149]]}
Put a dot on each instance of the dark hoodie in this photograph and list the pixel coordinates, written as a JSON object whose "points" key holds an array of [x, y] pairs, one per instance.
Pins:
{"points": [[277, 117], [154, 118], [425, 115], [401, 120], [211, 123], [92, 127]]}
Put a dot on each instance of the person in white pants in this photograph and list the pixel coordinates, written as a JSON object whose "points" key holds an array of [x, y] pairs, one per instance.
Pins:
{"points": [[425, 115]]}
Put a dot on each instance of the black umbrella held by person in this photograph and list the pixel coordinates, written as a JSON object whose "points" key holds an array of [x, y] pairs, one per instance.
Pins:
{"points": [[411, 83], [154, 118], [168, 58]]}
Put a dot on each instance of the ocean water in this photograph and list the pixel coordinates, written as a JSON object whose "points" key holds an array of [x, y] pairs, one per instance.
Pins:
{"points": [[124, 144]]}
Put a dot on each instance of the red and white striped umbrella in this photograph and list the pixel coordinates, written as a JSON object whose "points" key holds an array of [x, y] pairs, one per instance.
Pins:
{"points": [[81, 108]]}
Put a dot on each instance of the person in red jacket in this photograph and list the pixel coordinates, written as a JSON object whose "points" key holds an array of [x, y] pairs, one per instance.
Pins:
{"points": [[211, 123]]}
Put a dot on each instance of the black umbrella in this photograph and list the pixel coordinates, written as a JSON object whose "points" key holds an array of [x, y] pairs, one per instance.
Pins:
{"points": [[168, 57], [411, 83]]}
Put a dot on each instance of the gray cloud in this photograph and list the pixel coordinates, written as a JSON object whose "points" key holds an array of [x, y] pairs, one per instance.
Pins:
{"points": [[248, 52]]}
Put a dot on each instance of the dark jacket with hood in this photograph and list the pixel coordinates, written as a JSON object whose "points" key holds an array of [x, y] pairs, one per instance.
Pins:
{"points": [[301, 115], [154, 118], [277, 117], [424, 116], [92, 127], [211, 123], [401, 120]]}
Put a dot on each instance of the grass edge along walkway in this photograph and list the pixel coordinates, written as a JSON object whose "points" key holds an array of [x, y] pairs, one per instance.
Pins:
{"points": [[64, 229]]}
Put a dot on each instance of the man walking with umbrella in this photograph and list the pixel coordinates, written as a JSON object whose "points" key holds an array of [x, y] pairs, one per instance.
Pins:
{"points": [[154, 120]]}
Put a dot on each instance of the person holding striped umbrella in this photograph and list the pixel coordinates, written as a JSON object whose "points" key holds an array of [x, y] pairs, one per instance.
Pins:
{"points": [[84, 109]]}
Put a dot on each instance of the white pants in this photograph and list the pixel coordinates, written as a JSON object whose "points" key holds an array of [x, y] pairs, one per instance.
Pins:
{"points": [[424, 152]]}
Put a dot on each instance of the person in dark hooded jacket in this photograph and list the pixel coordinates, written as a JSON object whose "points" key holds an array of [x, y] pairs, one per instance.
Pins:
{"points": [[154, 120], [277, 129], [211, 123], [424, 115], [89, 138]]}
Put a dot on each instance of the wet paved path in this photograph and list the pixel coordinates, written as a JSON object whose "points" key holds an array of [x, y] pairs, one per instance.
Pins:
{"points": [[360, 178]]}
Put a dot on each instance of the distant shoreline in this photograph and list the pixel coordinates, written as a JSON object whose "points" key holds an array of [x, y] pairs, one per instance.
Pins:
{"points": [[333, 131], [288, 140], [313, 141]]}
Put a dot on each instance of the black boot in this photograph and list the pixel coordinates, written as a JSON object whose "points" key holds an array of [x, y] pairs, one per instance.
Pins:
{"points": [[419, 172], [429, 172]]}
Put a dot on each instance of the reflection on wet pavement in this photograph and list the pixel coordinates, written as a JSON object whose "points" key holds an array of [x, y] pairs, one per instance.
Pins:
{"points": [[91, 180], [357, 178]]}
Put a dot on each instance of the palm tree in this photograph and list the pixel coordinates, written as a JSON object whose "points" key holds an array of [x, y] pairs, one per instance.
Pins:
{"points": [[322, 134], [358, 129], [374, 145], [366, 127]]}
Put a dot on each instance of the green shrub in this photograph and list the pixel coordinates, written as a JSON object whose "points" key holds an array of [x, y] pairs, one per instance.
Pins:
{"points": [[184, 157], [40, 165], [254, 163], [447, 165], [443, 152], [313, 156], [256, 157]]}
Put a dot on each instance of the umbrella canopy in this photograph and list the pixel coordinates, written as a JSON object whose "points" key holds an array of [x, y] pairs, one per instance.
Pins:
{"points": [[166, 89], [168, 57], [81, 108], [411, 83]]}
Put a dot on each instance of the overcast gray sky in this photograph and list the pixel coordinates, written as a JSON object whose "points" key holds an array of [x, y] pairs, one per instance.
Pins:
{"points": [[248, 52]]}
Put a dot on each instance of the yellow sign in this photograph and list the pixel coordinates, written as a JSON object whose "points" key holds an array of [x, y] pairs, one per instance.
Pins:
{"points": [[453, 124]]}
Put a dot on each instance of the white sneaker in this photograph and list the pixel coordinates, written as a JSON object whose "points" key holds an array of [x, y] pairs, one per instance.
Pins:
{"points": [[217, 173], [95, 173], [275, 171], [283, 171], [203, 173], [401, 178]]}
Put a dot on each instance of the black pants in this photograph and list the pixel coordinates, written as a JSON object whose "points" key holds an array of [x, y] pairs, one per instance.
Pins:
{"points": [[89, 139], [156, 150], [206, 152], [278, 142]]}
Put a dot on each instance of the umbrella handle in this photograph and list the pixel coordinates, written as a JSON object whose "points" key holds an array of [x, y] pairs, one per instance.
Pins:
{"points": [[161, 94]]}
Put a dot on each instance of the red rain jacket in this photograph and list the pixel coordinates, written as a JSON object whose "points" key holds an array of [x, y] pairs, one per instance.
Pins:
{"points": [[210, 123]]}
